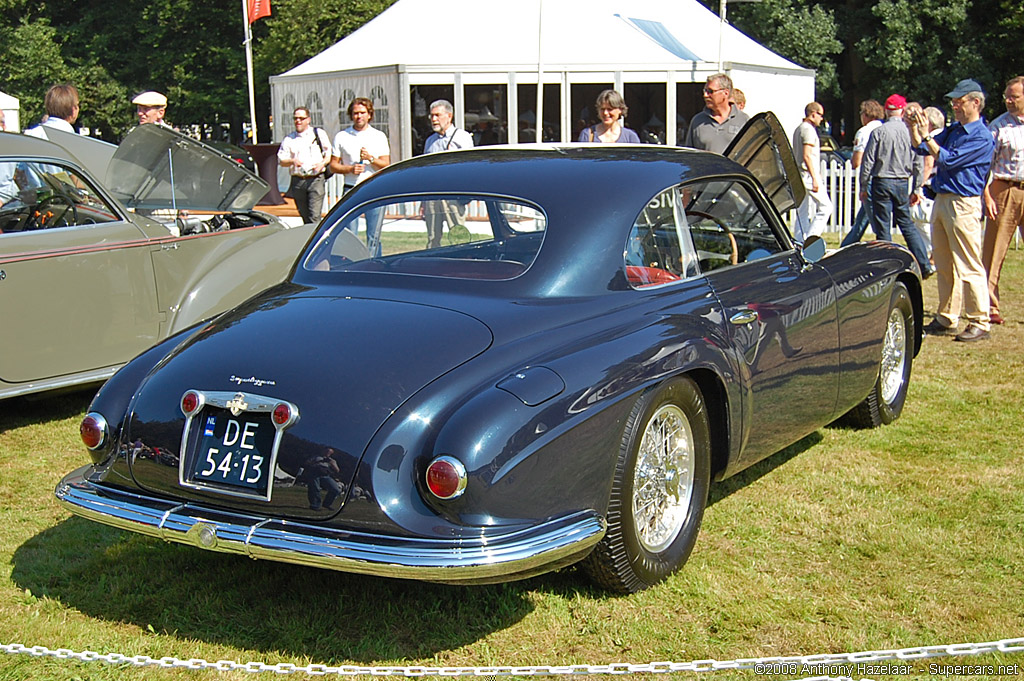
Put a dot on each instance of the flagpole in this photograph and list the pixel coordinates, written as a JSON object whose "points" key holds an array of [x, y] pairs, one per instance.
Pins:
{"points": [[248, 66]]}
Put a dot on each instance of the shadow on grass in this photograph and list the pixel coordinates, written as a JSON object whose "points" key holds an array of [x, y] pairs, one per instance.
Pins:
{"points": [[298, 612], [721, 490], [18, 412]]}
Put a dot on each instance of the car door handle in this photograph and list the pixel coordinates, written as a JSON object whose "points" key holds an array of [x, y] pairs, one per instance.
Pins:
{"points": [[743, 317]]}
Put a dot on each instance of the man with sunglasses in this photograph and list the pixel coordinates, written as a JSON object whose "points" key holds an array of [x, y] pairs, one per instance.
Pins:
{"points": [[306, 152], [715, 127]]}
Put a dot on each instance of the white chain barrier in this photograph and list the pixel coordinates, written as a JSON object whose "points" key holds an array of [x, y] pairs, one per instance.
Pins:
{"points": [[831, 666]]}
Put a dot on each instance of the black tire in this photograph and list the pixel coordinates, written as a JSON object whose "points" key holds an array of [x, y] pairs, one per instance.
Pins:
{"points": [[885, 401], [647, 542]]}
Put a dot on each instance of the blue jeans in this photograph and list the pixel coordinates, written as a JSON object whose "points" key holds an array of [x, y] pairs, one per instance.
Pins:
{"points": [[374, 221], [890, 202], [860, 223]]}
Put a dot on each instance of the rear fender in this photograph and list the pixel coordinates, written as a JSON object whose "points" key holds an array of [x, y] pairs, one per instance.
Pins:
{"points": [[227, 276], [547, 457]]}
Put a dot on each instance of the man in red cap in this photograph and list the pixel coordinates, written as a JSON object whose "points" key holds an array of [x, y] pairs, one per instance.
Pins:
{"points": [[888, 164]]}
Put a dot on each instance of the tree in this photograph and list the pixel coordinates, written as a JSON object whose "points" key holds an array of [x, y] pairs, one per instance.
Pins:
{"points": [[32, 57], [919, 49], [190, 50]]}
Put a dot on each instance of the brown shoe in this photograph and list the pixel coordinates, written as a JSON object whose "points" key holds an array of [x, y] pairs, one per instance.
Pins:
{"points": [[937, 328], [971, 333], [994, 317]]}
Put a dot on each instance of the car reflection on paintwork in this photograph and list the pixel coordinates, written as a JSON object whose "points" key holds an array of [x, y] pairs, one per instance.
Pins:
{"points": [[602, 332]]}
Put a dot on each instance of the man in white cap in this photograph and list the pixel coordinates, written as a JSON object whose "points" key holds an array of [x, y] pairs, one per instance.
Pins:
{"points": [[150, 107]]}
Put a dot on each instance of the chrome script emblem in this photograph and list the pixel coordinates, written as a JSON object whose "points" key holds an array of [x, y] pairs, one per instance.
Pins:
{"points": [[237, 405]]}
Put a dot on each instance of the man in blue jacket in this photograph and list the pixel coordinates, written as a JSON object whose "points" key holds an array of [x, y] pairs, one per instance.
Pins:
{"points": [[963, 156]]}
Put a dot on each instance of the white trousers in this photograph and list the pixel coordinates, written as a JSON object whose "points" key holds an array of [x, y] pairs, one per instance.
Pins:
{"points": [[813, 213]]}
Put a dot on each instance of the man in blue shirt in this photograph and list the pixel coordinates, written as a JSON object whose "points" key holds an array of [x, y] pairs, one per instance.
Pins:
{"points": [[963, 156]]}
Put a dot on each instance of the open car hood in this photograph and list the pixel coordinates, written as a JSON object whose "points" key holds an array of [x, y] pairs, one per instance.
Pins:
{"points": [[763, 148], [155, 167]]}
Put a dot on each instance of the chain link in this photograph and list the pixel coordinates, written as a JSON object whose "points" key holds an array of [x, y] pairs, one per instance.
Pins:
{"points": [[830, 661]]}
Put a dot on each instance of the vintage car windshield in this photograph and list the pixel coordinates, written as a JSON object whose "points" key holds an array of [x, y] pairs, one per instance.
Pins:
{"points": [[456, 236], [37, 195]]}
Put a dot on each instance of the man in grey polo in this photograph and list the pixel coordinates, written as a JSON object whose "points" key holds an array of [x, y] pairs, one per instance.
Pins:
{"points": [[716, 126], [887, 166]]}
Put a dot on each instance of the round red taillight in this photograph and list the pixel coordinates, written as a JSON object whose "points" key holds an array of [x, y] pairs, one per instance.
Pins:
{"points": [[282, 414], [93, 430], [190, 402], [446, 477]]}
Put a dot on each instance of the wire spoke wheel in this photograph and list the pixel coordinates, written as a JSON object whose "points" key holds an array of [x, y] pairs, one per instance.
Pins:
{"points": [[659, 489], [663, 478], [894, 356]]}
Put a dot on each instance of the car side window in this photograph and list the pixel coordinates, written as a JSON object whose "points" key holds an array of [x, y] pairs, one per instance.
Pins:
{"points": [[36, 196], [727, 225], [659, 249]]}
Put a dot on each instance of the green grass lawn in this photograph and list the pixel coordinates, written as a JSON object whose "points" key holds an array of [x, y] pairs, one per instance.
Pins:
{"points": [[908, 535]]}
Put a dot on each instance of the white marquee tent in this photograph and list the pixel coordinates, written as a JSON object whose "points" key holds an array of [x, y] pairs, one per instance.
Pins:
{"points": [[12, 111], [487, 58]]}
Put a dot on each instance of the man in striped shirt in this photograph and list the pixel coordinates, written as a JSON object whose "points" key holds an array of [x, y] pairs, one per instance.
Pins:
{"points": [[1004, 195]]}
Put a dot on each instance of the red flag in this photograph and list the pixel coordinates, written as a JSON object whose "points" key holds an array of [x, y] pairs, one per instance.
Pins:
{"points": [[258, 9]]}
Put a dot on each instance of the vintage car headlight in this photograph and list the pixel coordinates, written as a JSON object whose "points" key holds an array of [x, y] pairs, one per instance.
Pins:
{"points": [[94, 431], [446, 477]]}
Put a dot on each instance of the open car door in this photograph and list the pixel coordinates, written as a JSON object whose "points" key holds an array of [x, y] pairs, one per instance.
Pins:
{"points": [[763, 148]]}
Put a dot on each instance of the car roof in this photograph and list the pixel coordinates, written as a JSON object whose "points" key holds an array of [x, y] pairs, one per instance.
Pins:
{"points": [[577, 178], [593, 194], [16, 144]]}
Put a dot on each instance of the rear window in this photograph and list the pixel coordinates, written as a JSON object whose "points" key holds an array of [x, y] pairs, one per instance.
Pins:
{"points": [[450, 235]]}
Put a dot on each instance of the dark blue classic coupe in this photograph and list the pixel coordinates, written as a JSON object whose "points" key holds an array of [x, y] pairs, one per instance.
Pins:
{"points": [[555, 352]]}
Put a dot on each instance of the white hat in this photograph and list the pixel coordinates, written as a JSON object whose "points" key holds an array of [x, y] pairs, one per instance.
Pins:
{"points": [[150, 98]]}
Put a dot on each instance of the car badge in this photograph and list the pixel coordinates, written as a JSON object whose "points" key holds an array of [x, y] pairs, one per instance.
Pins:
{"points": [[237, 405]]}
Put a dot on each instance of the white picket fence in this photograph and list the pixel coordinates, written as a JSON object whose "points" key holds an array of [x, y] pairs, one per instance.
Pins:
{"points": [[844, 190]]}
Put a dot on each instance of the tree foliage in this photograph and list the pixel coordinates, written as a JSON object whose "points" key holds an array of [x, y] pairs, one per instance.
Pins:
{"points": [[918, 48], [192, 51], [804, 34]]}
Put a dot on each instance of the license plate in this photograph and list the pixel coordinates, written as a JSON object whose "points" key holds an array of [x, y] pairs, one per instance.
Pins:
{"points": [[232, 441]]}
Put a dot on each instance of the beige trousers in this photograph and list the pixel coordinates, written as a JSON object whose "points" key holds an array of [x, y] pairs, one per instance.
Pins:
{"points": [[956, 250], [1009, 200]]}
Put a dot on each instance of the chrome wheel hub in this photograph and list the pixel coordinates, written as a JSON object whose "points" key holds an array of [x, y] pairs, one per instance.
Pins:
{"points": [[894, 356], [663, 478]]}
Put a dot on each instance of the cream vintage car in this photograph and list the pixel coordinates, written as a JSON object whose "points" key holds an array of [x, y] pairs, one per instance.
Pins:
{"points": [[88, 281]]}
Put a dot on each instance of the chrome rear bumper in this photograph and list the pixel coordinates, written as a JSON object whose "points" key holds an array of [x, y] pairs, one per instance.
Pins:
{"points": [[491, 556]]}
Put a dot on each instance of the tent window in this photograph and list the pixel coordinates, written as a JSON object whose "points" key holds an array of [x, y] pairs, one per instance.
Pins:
{"points": [[527, 116], [689, 102], [487, 114], [646, 102], [656, 31]]}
